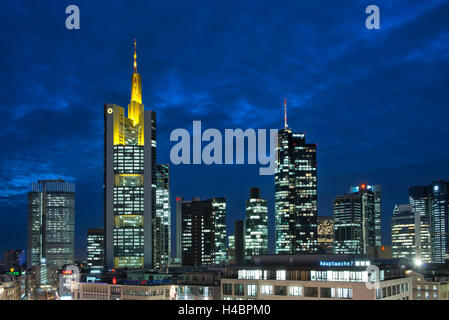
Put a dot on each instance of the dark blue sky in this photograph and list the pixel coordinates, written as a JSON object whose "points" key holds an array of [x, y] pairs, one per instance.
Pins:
{"points": [[375, 101]]}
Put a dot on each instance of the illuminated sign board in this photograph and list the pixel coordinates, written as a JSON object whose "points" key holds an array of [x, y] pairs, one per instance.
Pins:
{"points": [[344, 263]]}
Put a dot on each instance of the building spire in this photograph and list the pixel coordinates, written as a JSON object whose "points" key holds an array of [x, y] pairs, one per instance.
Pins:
{"points": [[285, 113], [135, 56]]}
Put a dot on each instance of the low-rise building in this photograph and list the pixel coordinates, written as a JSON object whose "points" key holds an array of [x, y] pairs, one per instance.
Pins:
{"points": [[105, 291], [305, 277], [199, 286]]}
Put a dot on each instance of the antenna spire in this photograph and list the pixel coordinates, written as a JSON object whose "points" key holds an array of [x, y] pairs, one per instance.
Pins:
{"points": [[285, 113], [135, 56]]}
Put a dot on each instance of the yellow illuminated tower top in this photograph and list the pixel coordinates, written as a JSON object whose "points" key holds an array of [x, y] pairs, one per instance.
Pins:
{"points": [[135, 107]]}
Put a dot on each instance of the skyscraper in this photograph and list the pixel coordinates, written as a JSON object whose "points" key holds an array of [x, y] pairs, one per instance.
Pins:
{"points": [[431, 205], [231, 250], [375, 221], [129, 181], [347, 224], [355, 221], [162, 225], [202, 228], [419, 201], [403, 232], [51, 223], [95, 249], [256, 224], [439, 220], [295, 193]]}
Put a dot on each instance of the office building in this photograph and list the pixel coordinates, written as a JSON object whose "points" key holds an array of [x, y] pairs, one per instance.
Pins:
{"points": [[355, 221], [256, 224], [439, 220], [95, 250], [419, 201], [373, 225], [295, 193], [231, 250], [129, 181], [239, 241], [202, 285], [51, 223], [403, 232], [325, 231], [162, 224], [117, 291], [315, 277], [202, 228]]}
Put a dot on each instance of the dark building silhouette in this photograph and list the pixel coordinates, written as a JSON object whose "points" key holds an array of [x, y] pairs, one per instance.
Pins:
{"points": [[202, 228]]}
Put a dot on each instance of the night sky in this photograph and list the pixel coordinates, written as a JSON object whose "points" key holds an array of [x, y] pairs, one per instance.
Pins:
{"points": [[375, 101]]}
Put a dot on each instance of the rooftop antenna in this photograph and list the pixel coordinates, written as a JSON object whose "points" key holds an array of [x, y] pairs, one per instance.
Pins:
{"points": [[285, 113]]}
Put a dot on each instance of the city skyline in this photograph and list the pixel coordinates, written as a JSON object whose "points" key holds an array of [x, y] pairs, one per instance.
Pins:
{"points": [[349, 146]]}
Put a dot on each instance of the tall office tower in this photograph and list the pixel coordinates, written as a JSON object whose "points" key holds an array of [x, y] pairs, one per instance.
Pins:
{"points": [[256, 224], [51, 223], [95, 249], [295, 193], [354, 221], [162, 224], [202, 229], [374, 221], [403, 232], [347, 224], [439, 220], [325, 231], [419, 199], [129, 181], [231, 250], [239, 241]]}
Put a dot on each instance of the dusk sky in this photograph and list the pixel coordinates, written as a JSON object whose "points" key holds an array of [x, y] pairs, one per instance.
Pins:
{"points": [[375, 101]]}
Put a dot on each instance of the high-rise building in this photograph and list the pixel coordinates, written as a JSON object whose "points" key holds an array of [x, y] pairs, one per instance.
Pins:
{"points": [[439, 220], [431, 207], [162, 224], [202, 231], [129, 181], [325, 231], [231, 250], [355, 221], [374, 220], [239, 241], [256, 224], [95, 249], [419, 201], [347, 224], [295, 193], [403, 232], [51, 223]]}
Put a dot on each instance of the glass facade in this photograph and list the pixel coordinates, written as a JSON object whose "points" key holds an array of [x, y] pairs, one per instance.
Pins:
{"points": [[130, 182], [51, 223], [439, 220], [203, 231], [95, 249], [162, 225], [403, 232], [419, 199], [295, 194], [256, 224], [355, 221]]}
